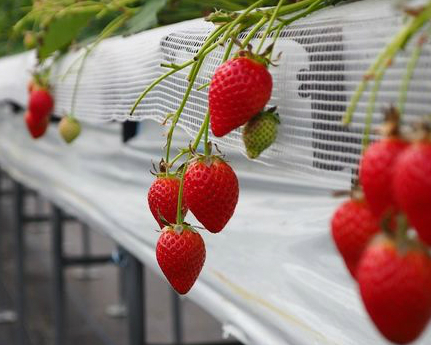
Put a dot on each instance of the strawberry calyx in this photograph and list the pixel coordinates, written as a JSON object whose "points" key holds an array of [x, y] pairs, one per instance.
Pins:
{"points": [[401, 239], [355, 194], [162, 171], [391, 127], [178, 228], [221, 17], [270, 112], [262, 59], [208, 160], [421, 132]]}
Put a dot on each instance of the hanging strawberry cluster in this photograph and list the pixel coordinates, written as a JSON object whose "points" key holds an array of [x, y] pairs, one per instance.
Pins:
{"points": [[204, 183], [384, 231], [40, 106]]}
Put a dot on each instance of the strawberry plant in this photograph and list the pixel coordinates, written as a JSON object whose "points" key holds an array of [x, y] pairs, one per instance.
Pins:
{"points": [[238, 93], [392, 263]]}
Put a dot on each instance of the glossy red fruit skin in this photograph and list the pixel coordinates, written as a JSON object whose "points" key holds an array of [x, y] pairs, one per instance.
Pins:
{"points": [[181, 258], [41, 103], [35, 127], [239, 89], [211, 192], [412, 187], [163, 197], [396, 289], [353, 226], [376, 172]]}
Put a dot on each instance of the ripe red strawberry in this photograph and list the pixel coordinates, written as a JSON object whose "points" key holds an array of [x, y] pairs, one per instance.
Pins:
{"points": [[41, 103], [395, 285], [412, 187], [376, 172], [181, 257], [239, 89], [163, 198], [211, 192], [37, 128], [353, 226]]}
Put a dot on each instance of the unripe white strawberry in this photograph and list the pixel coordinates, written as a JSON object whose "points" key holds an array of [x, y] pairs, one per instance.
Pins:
{"points": [[69, 128]]}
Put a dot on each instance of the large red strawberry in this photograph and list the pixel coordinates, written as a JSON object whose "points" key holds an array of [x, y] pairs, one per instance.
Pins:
{"points": [[395, 285], [211, 191], [41, 103], [239, 89], [376, 172], [36, 127], [412, 187], [181, 256], [163, 198], [353, 226]]}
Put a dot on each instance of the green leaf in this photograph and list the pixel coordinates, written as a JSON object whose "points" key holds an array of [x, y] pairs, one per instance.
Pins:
{"points": [[61, 31], [147, 17]]}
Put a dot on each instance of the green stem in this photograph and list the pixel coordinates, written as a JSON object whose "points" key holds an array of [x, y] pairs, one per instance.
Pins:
{"points": [[180, 109], [180, 194], [268, 28], [194, 146], [388, 53], [157, 81], [371, 107], [206, 144], [253, 31], [411, 66], [195, 143], [107, 31], [238, 20]]}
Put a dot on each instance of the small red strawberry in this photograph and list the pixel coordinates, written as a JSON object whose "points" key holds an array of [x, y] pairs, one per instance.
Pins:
{"points": [[163, 198], [239, 89], [211, 191], [37, 128], [376, 169], [41, 103], [353, 226], [181, 256], [395, 285], [412, 187]]}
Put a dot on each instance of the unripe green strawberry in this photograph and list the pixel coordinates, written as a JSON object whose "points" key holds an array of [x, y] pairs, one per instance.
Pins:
{"points": [[30, 40], [69, 128], [260, 132]]}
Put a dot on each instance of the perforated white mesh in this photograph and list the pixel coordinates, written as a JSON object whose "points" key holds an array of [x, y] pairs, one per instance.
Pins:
{"points": [[324, 56]]}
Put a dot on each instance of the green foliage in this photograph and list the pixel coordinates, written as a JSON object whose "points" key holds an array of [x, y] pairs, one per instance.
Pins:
{"points": [[146, 17], [61, 31], [57, 23], [10, 12]]}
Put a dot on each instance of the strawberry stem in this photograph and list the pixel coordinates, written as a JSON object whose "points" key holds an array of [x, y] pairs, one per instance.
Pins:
{"points": [[268, 28], [107, 31], [411, 66], [181, 107], [371, 106], [386, 56]]}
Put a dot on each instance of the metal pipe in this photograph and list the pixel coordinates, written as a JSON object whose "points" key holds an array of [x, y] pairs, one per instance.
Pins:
{"points": [[135, 301], [58, 275], [177, 315], [20, 256]]}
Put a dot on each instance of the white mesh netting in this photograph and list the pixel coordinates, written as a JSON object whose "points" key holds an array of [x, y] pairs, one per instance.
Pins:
{"points": [[324, 56]]}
